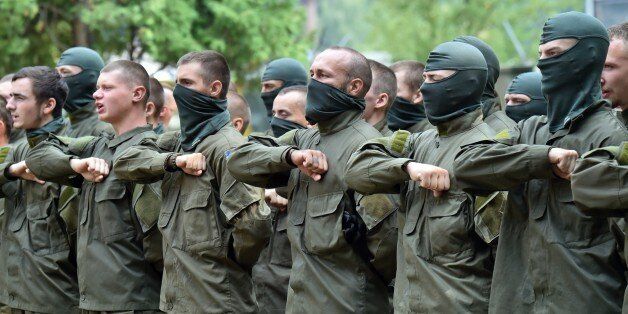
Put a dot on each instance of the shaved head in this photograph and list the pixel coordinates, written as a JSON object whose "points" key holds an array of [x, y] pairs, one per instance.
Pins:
{"points": [[239, 108], [384, 81], [132, 73], [409, 73], [356, 66]]}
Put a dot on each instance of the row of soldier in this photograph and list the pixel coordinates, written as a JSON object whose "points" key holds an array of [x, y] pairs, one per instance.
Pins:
{"points": [[376, 188]]}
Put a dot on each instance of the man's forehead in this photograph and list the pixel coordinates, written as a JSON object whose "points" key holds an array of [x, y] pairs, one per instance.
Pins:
{"points": [[619, 48], [22, 85], [189, 69], [332, 58], [114, 76], [292, 100]]}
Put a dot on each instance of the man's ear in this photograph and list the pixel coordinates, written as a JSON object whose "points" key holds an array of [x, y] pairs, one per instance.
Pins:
{"points": [[355, 87], [138, 93], [163, 112], [238, 124], [417, 98], [382, 101], [49, 106], [215, 88], [150, 109]]}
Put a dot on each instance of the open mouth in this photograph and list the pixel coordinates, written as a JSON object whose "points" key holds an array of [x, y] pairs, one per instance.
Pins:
{"points": [[100, 108]]}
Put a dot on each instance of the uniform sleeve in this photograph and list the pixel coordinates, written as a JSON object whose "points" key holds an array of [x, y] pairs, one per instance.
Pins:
{"points": [[6, 160], [599, 184], [377, 166], [244, 208], [50, 159], [142, 163], [495, 166], [261, 162]]}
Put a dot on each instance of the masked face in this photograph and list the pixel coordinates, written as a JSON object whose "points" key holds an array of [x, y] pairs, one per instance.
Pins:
{"points": [[447, 97], [80, 68], [404, 114], [325, 102], [524, 97], [200, 115], [571, 76], [288, 113], [279, 74]]}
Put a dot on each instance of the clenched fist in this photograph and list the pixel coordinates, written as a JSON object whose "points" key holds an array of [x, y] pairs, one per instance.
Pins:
{"points": [[192, 164], [563, 161], [430, 177], [311, 162], [92, 169]]}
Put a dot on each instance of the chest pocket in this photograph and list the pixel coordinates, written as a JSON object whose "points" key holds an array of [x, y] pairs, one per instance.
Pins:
{"points": [[199, 221], [113, 211], [570, 225], [171, 185], [449, 223], [44, 229], [323, 224]]}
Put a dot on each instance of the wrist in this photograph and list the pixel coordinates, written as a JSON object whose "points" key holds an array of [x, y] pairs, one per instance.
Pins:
{"points": [[289, 157], [8, 173], [170, 164]]}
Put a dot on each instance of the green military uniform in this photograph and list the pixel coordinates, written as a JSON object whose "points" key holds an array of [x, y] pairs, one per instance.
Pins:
{"points": [[327, 271], [420, 126], [551, 256], [600, 187], [8, 190], [38, 271], [114, 273], [446, 264], [213, 226], [446, 267], [272, 271]]}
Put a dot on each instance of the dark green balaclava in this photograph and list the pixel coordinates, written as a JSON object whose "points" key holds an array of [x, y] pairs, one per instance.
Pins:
{"points": [[290, 71], [325, 102], [571, 80], [200, 115], [81, 85], [459, 93], [490, 99], [528, 84], [404, 114]]}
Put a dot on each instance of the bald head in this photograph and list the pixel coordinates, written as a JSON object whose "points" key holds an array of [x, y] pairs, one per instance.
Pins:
{"points": [[343, 68], [239, 110], [290, 104], [409, 75]]}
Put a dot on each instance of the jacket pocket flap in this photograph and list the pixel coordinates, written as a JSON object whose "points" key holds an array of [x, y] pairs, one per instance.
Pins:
{"points": [[39, 210], [446, 205], [373, 209], [325, 204], [112, 192], [196, 199]]}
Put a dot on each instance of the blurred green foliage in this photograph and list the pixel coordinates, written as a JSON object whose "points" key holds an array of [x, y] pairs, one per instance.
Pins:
{"points": [[247, 32]]}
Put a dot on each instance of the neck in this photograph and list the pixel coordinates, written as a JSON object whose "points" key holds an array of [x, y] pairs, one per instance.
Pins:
{"points": [[376, 117], [45, 120], [130, 121], [4, 140]]}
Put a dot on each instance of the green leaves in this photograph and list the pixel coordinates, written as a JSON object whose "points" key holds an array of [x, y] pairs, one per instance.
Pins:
{"points": [[247, 32]]}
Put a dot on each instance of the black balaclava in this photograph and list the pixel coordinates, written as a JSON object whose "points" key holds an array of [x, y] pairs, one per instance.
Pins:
{"points": [[282, 126], [404, 114], [459, 93], [200, 115], [325, 102], [490, 99], [291, 72], [528, 84], [83, 85], [571, 80]]}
